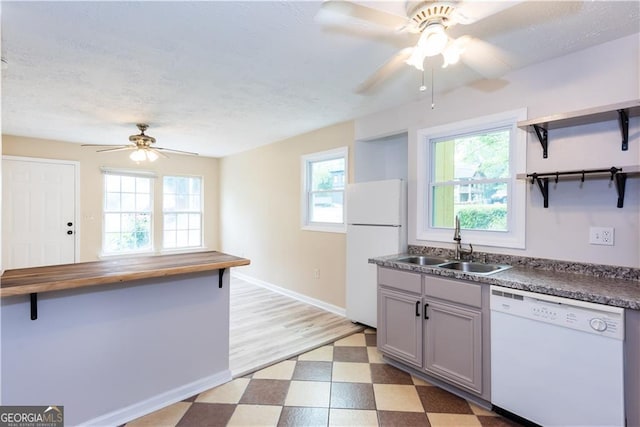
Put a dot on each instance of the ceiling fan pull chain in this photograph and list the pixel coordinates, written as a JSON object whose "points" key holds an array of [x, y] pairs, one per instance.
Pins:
{"points": [[433, 104]]}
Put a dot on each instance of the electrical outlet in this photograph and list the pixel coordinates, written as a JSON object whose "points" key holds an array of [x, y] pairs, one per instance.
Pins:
{"points": [[316, 273], [601, 236]]}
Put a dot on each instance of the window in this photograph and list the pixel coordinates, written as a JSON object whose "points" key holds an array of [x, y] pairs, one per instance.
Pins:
{"points": [[468, 170], [127, 220], [182, 212], [323, 188]]}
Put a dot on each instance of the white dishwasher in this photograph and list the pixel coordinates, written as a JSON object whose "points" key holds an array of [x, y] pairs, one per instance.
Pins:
{"points": [[557, 361]]}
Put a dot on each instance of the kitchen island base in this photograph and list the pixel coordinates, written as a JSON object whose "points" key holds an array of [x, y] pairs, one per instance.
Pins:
{"points": [[113, 353]]}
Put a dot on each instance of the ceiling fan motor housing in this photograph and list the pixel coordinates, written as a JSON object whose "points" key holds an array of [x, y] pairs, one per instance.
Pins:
{"points": [[427, 12], [142, 140]]}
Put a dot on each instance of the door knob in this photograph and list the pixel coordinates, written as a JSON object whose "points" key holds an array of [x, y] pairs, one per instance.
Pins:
{"points": [[69, 232], [69, 224]]}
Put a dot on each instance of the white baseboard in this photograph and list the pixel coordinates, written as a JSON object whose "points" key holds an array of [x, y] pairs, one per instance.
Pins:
{"points": [[295, 295], [129, 413]]}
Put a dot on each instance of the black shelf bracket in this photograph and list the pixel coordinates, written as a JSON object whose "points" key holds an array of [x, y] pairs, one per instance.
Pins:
{"points": [[615, 173], [621, 180], [220, 274], [543, 138], [34, 306], [623, 119], [543, 185]]}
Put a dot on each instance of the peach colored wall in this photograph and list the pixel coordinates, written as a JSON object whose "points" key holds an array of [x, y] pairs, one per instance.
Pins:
{"points": [[90, 220], [261, 218]]}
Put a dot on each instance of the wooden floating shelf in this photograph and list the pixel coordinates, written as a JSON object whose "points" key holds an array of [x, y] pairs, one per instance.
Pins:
{"points": [[583, 117], [620, 111]]}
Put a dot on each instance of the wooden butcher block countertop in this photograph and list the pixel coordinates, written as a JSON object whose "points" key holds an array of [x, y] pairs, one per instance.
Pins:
{"points": [[67, 276]]}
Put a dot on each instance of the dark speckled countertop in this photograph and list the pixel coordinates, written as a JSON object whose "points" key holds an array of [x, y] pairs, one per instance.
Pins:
{"points": [[612, 291]]}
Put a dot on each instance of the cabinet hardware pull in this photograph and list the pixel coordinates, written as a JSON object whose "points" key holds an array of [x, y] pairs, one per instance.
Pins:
{"points": [[417, 308], [425, 312]]}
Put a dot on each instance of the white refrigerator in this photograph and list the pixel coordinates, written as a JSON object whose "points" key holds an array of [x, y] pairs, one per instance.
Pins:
{"points": [[376, 226]]}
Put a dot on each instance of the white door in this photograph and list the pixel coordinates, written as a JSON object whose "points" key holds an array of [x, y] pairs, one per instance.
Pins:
{"points": [[38, 212]]}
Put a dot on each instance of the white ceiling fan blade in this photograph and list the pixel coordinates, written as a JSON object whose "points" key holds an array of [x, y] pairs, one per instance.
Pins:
{"points": [[344, 12], [170, 150], [485, 58], [128, 147], [471, 11], [386, 70], [157, 151]]}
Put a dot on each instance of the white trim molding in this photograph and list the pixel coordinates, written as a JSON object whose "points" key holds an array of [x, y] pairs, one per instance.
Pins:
{"points": [[152, 404], [292, 294]]}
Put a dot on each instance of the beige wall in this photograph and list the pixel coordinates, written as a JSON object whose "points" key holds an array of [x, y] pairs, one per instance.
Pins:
{"points": [[90, 220], [260, 217]]}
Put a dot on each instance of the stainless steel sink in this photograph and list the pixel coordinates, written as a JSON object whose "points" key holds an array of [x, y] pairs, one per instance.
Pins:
{"points": [[474, 267], [422, 260]]}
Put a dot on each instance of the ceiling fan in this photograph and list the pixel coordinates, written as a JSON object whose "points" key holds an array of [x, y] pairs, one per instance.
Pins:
{"points": [[142, 146], [428, 21]]}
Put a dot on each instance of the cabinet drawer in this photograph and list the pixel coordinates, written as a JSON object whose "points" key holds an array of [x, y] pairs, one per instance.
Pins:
{"points": [[454, 290], [409, 282]]}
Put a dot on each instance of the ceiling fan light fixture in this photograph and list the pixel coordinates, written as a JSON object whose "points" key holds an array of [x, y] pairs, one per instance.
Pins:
{"points": [[416, 59], [151, 155], [433, 40], [138, 155], [451, 55]]}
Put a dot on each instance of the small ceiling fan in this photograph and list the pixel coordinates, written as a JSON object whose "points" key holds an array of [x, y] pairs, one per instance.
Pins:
{"points": [[142, 146], [428, 21]]}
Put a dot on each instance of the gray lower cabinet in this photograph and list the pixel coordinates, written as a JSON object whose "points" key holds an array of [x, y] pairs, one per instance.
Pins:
{"points": [[436, 325], [453, 344], [400, 307]]}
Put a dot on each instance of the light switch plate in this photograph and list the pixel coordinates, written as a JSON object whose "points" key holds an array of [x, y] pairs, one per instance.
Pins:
{"points": [[601, 236]]}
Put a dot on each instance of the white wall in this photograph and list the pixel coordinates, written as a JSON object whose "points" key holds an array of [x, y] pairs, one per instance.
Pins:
{"points": [[382, 158], [601, 75]]}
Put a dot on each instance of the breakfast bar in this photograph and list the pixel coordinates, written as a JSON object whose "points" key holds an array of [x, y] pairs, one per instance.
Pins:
{"points": [[115, 339]]}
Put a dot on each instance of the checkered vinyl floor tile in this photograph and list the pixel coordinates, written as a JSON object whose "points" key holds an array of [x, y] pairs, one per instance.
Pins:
{"points": [[342, 384]]}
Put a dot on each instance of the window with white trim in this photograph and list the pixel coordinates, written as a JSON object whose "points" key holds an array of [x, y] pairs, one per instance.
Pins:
{"points": [[468, 169], [323, 190], [128, 213], [182, 212]]}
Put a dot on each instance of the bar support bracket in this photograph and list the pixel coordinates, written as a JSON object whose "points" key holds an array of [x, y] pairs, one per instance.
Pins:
{"points": [[34, 306], [220, 274]]}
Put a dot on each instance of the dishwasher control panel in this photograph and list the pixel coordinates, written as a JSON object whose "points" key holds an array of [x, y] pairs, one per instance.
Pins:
{"points": [[580, 315]]}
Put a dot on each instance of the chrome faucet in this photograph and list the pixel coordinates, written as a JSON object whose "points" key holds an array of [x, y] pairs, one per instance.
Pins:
{"points": [[460, 253]]}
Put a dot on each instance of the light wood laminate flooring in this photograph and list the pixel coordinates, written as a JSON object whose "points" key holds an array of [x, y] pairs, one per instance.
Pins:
{"points": [[267, 327]]}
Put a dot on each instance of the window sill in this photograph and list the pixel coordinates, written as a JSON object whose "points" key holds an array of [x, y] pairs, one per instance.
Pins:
{"points": [[326, 228], [103, 255], [194, 249]]}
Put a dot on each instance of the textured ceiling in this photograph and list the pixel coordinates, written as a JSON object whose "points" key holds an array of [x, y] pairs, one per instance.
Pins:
{"points": [[223, 77]]}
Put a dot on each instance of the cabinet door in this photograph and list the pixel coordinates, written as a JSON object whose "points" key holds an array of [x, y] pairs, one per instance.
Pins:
{"points": [[400, 325], [453, 344]]}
